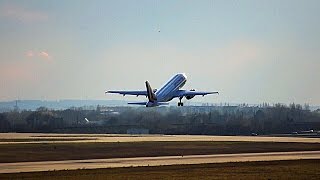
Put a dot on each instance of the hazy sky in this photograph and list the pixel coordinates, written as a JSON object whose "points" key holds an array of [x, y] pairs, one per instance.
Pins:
{"points": [[249, 51]]}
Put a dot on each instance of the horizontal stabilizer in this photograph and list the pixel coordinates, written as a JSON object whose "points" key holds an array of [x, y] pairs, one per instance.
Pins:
{"points": [[162, 103], [138, 103], [148, 103]]}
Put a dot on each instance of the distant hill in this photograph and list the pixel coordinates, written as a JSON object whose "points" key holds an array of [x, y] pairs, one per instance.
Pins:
{"points": [[61, 104]]}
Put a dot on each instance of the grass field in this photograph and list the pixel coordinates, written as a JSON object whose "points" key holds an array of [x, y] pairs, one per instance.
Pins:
{"points": [[295, 169], [67, 151]]}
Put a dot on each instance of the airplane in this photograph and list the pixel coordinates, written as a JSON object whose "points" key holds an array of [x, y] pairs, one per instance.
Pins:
{"points": [[166, 93]]}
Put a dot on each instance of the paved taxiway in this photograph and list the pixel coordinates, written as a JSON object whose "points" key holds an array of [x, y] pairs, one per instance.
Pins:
{"points": [[57, 138], [153, 161]]}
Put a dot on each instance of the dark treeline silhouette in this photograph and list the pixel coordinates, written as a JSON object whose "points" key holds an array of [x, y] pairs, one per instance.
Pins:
{"points": [[211, 120]]}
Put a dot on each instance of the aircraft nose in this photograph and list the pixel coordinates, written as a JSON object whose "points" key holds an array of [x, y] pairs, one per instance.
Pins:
{"points": [[184, 75]]}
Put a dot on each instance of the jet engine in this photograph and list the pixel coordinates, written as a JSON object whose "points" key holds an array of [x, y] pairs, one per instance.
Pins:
{"points": [[190, 96]]}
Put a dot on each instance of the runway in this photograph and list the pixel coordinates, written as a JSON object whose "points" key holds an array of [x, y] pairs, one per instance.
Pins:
{"points": [[73, 138], [153, 161]]}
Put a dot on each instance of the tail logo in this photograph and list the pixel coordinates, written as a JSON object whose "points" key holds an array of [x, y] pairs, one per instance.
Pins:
{"points": [[151, 96]]}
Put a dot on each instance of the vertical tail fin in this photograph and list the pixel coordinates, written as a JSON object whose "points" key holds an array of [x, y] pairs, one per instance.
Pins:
{"points": [[151, 96]]}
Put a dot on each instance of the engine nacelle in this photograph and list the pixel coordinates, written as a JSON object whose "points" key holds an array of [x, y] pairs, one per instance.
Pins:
{"points": [[189, 97]]}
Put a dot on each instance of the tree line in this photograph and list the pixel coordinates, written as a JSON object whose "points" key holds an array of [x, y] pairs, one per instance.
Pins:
{"points": [[211, 120]]}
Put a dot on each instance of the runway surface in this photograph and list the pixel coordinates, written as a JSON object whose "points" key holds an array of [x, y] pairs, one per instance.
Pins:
{"points": [[153, 161], [57, 138]]}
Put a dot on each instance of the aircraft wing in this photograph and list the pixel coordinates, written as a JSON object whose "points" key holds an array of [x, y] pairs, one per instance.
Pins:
{"points": [[135, 93], [182, 93]]}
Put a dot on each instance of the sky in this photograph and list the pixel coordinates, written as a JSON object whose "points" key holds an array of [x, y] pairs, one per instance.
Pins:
{"points": [[249, 51]]}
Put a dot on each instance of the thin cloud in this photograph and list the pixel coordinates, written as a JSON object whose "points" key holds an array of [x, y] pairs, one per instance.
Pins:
{"points": [[29, 54], [22, 14], [38, 55], [44, 54]]}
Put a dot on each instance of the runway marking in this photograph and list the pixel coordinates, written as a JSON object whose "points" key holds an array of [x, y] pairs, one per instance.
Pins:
{"points": [[153, 161]]}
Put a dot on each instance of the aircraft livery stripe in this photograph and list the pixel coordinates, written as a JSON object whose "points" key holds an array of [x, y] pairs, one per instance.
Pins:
{"points": [[172, 86], [169, 87], [166, 86], [176, 87]]}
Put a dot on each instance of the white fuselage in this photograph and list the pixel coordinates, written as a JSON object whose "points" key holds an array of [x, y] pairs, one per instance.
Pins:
{"points": [[165, 93]]}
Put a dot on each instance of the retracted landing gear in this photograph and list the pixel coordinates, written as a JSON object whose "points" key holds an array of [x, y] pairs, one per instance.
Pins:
{"points": [[180, 103]]}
